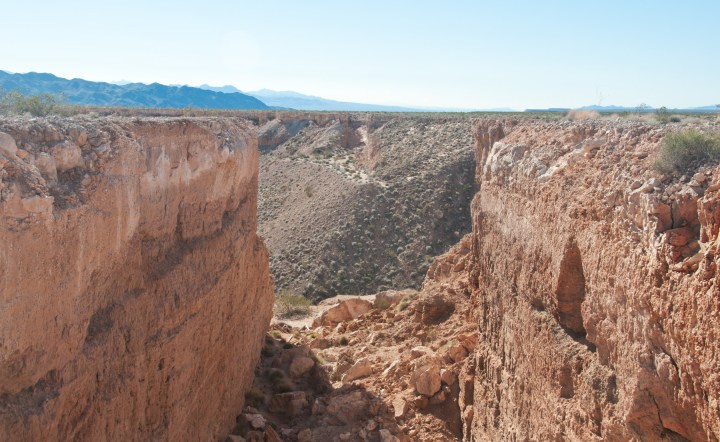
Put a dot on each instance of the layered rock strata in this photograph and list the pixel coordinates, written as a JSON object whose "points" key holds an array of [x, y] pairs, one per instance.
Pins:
{"points": [[134, 291], [594, 282]]}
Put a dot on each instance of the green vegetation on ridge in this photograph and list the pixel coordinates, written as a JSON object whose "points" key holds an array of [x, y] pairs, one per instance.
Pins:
{"points": [[682, 150]]}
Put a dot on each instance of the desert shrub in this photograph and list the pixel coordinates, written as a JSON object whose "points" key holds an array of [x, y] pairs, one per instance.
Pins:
{"points": [[309, 190], [37, 105], [679, 151], [391, 253], [275, 375], [289, 304], [284, 386], [642, 108], [403, 304], [662, 115], [254, 398], [279, 381], [583, 114], [319, 358], [431, 333]]}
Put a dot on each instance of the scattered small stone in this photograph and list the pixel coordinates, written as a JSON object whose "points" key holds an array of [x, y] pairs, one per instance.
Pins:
{"points": [[448, 376], [291, 403], [438, 398], [305, 435], [457, 353], [400, 406], [348, 407], [256, 421], [362, 368], [421, 402], [426, 379], [387, 436], [271, 435]]}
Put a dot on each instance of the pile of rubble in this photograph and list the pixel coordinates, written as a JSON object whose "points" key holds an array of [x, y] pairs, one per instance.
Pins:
{"points": [[387, 370]]}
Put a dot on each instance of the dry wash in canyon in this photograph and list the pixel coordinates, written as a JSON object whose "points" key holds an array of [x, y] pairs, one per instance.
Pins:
{"points": [[573, 297]]}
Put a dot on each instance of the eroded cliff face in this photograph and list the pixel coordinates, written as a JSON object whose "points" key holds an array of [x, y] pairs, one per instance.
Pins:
{"points": [[134, 292], [594, 288]]}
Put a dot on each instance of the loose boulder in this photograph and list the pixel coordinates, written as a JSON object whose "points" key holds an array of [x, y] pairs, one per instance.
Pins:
{"points": [[345, 311], [426, 378], [300, 366], [434, 309], [363, 367], [291, 403]]}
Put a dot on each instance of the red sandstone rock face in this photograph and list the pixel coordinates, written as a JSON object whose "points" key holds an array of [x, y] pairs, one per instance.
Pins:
{"points": [[594, 284], [134, 292]]}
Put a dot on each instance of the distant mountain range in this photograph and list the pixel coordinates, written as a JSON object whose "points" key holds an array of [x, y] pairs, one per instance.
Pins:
{"points": [[296, 100], [227, 89], [78, 91], [124, 93]]}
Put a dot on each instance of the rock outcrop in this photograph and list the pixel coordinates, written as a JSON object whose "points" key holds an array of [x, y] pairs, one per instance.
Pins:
{"points": [[134, 291], [594, 282]]}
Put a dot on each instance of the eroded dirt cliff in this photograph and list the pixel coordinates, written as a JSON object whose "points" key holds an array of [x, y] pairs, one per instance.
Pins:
{"points": [[134, 291], [594, 287]]}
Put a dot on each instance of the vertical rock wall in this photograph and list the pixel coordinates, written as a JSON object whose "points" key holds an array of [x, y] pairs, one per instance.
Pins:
{"points": [[594, 283], [134, 291]]}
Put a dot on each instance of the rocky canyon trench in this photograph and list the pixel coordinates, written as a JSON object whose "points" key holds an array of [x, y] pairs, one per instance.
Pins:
{"points": [[528, 279]]}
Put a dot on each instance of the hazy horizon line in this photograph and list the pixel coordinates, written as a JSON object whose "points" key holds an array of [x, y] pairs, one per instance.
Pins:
{"points": [[424, 107]]}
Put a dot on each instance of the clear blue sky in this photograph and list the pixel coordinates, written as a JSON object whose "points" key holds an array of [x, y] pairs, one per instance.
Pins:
{"points": [[471, 54]]}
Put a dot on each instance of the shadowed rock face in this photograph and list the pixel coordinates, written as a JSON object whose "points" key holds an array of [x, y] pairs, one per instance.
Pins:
{"points": [[594, 284], [134, 291], [570, 291]]}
